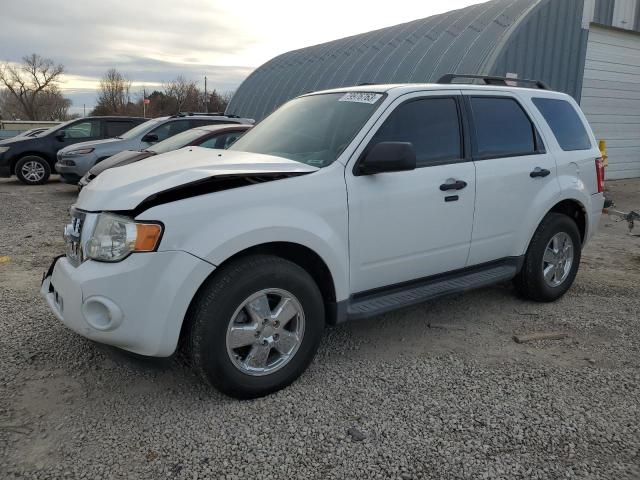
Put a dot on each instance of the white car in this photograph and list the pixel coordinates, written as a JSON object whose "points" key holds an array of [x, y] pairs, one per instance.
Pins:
{"points": [[340, 205]]}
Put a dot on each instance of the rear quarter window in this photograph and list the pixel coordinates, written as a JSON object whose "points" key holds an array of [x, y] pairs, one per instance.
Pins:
{"points": [[565, 123]]}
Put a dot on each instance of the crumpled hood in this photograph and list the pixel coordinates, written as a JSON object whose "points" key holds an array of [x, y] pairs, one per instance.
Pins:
{"points": [[90, 143], [124, 188]]}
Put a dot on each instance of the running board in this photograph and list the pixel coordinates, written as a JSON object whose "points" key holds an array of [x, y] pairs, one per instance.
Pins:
{"points": [[379, 302]]}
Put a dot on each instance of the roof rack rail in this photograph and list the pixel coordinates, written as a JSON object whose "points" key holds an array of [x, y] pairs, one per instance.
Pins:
{"points": [[200, 114], [492, 80]]}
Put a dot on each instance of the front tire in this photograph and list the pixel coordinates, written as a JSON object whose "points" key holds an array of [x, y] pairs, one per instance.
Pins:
{"points": [[33, 170], [552, 260], [255, 326]]}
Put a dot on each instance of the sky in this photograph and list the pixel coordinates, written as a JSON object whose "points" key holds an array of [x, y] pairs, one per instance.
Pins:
{"points": [[154, 41]]}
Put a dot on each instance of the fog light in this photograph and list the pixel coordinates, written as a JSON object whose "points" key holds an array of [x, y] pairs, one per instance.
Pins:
{"points": [[101, 313]]}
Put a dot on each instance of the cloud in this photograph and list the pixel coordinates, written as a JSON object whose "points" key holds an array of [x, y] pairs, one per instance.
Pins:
{"points": [[154, 41], [148, 41]]}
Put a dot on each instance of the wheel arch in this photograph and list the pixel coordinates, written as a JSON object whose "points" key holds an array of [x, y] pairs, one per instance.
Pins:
{"points": [[20, 156], [297, 253], [571, 207]]}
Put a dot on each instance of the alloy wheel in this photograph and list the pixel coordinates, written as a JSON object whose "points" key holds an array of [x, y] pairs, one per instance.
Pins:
{"points": [[265, 332], [33, 171], [557, 259]]}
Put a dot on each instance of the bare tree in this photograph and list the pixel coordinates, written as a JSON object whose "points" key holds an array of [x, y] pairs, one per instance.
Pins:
{"points": [[185, 94], [114, 94], [218, 101], [29, 81]]}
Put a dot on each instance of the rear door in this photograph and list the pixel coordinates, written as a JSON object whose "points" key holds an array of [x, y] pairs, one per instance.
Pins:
{"points": [[402, 225], [515, 176]]}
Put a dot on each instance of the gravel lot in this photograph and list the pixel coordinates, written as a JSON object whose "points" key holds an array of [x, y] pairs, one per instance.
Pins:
{"points": [[437, 391]]}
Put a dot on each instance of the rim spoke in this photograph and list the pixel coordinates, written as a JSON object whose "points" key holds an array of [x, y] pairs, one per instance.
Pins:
{"points": [[549, 272], [286, 342], [556, 244], [285, 311], [558, 274], [549, 256], [258, 355], [258, 309], [242, 335]]}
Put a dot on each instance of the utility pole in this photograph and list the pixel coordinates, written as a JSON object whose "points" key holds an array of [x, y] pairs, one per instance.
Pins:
{"points": [[84, 110], [144, 103], [206, 99]]}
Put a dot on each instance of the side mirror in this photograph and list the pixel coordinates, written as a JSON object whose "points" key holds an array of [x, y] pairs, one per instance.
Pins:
{"points": [[150, 138], [388, 157], [61, 135]]}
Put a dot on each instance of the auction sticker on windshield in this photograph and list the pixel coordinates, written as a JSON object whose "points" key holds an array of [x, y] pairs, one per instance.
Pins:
{"points": [[361, 97]]}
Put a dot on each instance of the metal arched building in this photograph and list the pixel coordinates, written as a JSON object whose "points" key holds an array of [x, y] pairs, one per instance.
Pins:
{"points": [[587, 48]]}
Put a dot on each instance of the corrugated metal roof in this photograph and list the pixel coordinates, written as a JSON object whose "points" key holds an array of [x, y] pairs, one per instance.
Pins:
{"points": [[541, 39], [417, 51]]}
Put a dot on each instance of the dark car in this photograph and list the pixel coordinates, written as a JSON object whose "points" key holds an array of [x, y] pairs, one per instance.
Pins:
{"points": [[32, 159], [207, 136]]}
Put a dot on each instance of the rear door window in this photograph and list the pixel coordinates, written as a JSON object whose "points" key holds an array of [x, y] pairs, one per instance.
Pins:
{"points": [[115, 128], [502, 128], [431, 125], [565, 123], [171, 128]]}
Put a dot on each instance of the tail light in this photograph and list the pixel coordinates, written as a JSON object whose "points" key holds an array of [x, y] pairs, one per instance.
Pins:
{"points": [[600, 174]]}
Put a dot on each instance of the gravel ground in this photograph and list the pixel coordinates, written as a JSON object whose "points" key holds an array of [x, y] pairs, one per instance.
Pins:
{"points": [[437, 391]]}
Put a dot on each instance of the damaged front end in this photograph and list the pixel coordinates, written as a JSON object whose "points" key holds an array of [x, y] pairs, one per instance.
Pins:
{"points": [[207, 185]]}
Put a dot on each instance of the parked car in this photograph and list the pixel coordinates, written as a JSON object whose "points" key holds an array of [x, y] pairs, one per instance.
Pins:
{"points": [[342, 204], [75, 161], [208, 136], [32, 159]]}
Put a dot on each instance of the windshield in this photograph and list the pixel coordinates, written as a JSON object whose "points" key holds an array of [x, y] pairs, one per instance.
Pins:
{"points": [[139, 130], [177, 141], [314, 129]]}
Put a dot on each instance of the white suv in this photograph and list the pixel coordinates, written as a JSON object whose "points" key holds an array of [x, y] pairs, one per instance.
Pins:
{"points": [[342, 204]]}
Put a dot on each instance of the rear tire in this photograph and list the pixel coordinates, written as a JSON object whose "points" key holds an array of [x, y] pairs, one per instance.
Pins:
{"points": [[33, 170], [552, 260], [239, 351]]}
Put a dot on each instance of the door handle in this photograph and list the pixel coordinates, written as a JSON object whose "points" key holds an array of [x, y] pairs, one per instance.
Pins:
{"points": [[539, 172], [453, 184]]}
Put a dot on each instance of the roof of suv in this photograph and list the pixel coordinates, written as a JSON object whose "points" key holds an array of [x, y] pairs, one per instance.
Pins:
{"points": [[401, 88]]}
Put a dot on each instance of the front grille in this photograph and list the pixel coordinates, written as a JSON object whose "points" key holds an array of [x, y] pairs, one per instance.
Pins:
{"points": [[73, 237]]}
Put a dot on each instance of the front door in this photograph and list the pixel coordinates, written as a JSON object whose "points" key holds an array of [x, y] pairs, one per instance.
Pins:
{"points": [[408, 225]]}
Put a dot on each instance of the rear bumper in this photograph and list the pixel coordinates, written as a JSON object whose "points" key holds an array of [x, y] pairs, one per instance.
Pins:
{"points": [[137, 304], [595, 212]]}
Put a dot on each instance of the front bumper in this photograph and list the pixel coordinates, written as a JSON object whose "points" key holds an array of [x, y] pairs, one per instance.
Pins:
{"points": [[82, 164], [69, 178], [137, 304], [5, 165]]}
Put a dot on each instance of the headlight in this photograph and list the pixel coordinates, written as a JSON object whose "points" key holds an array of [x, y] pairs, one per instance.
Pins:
{"points": [[114, 238], [4, 149], [80, 151]]}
